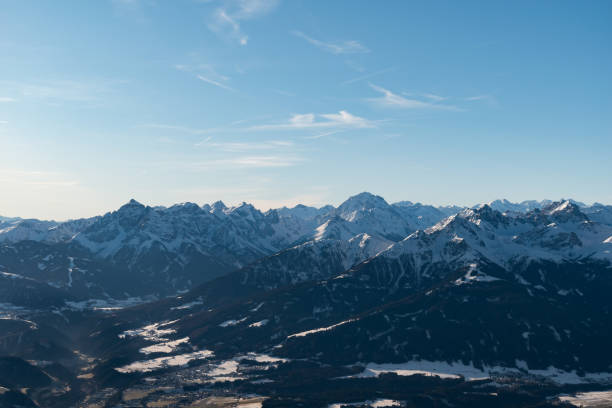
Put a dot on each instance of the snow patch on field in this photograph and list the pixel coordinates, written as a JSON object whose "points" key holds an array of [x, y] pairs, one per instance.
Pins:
{"points": [[225, 368], [165, 347], [432, 368], [457, 370], [152, 332], [233, 369], [594, 399], [379, 403], [179, 360], [262, 358]]}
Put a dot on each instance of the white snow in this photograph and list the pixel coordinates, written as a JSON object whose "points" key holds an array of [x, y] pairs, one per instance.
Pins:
{"points": [[232, 322], [256, 308], [431, 368], [188, 305], [179, 360], [251, 405], [260, 323], [378, 403], [443, 369], [593, 399], [12, 275], [224, 368], [164, 347], [151, 332], [474, 275], [262, 358], [320, 329]]}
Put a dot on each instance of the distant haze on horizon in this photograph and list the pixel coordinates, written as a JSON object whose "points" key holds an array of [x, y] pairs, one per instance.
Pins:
{"points": [[279, 103]]}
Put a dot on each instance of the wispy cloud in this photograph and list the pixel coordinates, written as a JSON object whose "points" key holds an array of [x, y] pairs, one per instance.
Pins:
{"points": [[6, 99], [182, 129], [324, 122], [343, 47], [477, 98], [247, 146], [208, 74], [434, 97], [3, 122], [324, 134], [342, 119], [226, 20], [368, 76], [215, 83], [251, 161], [392, 100], [488, 99]]}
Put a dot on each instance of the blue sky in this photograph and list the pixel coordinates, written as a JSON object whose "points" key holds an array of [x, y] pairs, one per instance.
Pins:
{"points": [[280, 102]]}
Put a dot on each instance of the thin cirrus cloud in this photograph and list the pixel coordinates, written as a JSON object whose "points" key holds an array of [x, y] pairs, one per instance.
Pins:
{"points": [[368, 76], [342, 119], [215, 83], [246, 146], [208, 74], [434, 97], [6, 99], [248, 161], [477, 98], [392, 100], [343, 47], [226, 20]]}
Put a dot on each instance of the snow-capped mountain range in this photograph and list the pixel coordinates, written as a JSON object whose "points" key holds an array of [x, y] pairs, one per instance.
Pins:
{"points": [[168, 249]]}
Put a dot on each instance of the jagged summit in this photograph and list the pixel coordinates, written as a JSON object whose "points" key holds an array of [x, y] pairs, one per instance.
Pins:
{"points": [[133, 202], [362, 201], [218, 207], [486, 213], [564, 211]]}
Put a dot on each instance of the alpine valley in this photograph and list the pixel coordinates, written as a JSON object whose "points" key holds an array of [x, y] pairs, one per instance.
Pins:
{"points": [[367, 304]]}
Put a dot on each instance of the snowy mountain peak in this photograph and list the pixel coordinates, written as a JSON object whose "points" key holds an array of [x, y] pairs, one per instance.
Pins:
{"points": [[363, 201], [304, 212], [186, 206], [503, 205], [564, 211], [486, 213], [218, 207], [355, 207]]}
